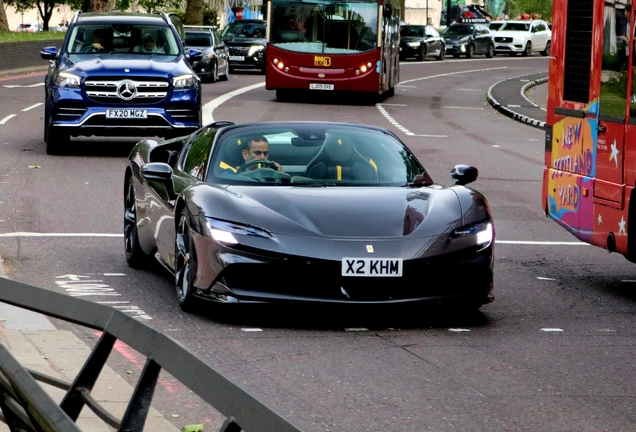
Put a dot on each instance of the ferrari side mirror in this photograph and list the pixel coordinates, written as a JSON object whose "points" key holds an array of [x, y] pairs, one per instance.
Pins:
{"points": [[464, 174]]}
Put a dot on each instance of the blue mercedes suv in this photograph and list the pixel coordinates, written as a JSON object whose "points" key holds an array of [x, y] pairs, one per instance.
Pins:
{"points": [[120, 74]]}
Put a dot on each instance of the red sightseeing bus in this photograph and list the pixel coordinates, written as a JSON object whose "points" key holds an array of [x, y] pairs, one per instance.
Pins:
{"points": [[590, 157], [327, 45]]}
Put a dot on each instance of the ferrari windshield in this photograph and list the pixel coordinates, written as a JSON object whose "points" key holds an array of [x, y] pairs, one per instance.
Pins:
{"points": [[305, 154], [123, 38], [324, 27]]}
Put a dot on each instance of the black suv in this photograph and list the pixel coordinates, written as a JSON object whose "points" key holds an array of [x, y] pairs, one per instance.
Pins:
{"points": [[246, 42], [468, 40], [120, 74]]}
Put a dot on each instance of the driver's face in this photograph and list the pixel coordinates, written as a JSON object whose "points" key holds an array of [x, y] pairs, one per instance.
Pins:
{"points": [[258, 150]]}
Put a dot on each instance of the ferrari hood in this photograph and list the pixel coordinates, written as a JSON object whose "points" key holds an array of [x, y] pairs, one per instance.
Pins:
{"points": [[348, 212]]}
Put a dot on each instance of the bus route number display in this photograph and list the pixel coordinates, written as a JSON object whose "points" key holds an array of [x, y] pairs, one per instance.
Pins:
{"points": [[322, 61]]}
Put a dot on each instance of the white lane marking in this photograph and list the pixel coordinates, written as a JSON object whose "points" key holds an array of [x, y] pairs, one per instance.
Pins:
{"points": [[81, 286], [23, 86], [7, 118], [251, 329], [402, 128], [511, 242], [209, 107], [404, 86], [513, 106], [458, 330], [114, 274], [33, 234], [545, 278], [551, 329], [464, 108], [405, 130], [400, 105], [32, 106]]}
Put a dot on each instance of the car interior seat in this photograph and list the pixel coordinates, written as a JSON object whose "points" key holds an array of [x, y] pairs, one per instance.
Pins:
{"points": [[232, 154], [339, 160]]}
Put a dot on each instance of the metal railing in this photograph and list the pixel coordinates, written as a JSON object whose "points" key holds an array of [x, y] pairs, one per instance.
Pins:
{"points": [[27, 407]]}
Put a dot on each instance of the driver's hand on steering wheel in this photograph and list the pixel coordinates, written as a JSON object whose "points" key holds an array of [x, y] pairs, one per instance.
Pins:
{"points": [[278, 166]]}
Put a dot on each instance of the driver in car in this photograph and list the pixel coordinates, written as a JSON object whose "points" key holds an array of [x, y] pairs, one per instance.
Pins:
{"points": [[257, 148]]}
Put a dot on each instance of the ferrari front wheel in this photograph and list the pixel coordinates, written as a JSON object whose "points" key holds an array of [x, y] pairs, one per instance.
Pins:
{"points": [[135, 256], [185, 264]]}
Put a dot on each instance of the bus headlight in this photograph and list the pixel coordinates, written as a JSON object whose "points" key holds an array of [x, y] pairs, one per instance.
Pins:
{"points": [[254, 49], [364, 68]]}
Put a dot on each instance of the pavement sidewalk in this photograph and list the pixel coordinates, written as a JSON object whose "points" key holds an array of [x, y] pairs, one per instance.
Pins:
{"points": [[37, 344]]}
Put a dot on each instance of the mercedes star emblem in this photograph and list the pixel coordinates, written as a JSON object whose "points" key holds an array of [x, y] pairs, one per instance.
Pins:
{"points": [[126, 90]]}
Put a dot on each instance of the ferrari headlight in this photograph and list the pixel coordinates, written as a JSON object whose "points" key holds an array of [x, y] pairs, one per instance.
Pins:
{"points": [[414, 44], [66, 79], [184, 81], [254, 49], [226, 232], [482, 232]]}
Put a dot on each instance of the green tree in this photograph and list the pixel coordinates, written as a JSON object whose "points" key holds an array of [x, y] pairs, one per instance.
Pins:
{"points": [[539, 7]]}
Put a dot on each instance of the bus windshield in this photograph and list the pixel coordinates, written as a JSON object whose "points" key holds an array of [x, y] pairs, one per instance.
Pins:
{"points": [[324, 27]]}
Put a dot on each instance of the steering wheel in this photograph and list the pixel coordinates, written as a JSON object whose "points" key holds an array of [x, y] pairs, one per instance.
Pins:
{"points": [[246, 165]]}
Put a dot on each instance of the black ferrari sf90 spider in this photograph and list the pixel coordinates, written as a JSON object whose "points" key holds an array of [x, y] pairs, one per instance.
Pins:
{"points": [[305, 212]]}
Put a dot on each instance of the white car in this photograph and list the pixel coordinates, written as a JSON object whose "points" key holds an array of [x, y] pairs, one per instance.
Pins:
{"points": [[523, 36]]}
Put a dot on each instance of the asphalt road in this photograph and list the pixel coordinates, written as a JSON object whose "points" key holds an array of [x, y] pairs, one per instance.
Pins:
{"points": [[554, 352]]}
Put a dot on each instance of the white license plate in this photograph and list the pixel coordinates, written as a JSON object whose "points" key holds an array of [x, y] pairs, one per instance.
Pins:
{"points": [[237, 58], [320, 86], [126, 113], [372, 267]]}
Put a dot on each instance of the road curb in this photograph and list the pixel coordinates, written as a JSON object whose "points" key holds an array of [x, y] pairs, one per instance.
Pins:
{"points": [[513, 114]]}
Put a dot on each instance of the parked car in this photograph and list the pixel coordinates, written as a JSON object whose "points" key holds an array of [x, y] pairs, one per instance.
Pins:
{"points": [[469, 40], [246, 41], [321, 212], [420, 42], [493, 26], [28, 27], [523, 36], [214, 62], [122, 74]]}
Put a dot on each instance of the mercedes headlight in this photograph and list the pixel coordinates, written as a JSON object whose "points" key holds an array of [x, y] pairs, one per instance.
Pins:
{"points": [[226, 232], [481, 231], [254, 49], [184, 81], [66, 79], [413, 44]]}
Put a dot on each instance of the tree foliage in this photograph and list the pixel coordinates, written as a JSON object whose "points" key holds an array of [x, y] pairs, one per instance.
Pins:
{"points": [[542, 8]]}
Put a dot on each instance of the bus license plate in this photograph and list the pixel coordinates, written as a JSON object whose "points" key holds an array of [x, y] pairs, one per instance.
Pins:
{"points": [[372, 267], [237, 58], [126, 113], [320, 86]]}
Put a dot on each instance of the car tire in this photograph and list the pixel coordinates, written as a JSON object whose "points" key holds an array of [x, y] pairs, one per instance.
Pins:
{"points": [[214, 76], [527, 50], [421, 55], [471, 51], [185, 263], [135, 255], [546, 51], [56, 140], [491, 51], [442, 53]]}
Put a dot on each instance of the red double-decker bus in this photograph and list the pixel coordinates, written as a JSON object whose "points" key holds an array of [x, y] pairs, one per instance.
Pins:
{"points": [[326, 45], [590, 157]]}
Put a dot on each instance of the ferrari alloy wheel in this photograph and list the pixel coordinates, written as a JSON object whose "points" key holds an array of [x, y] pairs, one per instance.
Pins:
{"points": [[135, 256], [185, 264]]}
